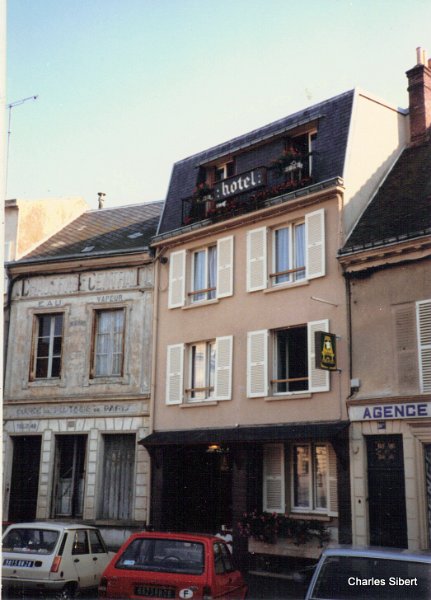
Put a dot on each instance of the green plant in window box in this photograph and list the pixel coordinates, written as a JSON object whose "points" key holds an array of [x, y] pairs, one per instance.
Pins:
{"points": [[269, 527]]}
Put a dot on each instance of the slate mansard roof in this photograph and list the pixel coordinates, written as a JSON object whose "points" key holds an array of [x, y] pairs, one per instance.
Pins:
{"points": [[100, 232], [333, 120], [401, 209]]}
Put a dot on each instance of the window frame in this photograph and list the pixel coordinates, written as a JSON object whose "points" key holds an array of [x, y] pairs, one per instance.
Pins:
{"points": [[209, 292], [274, 381], [93, 366], [51, 355], [210, 349], [293, 273]]}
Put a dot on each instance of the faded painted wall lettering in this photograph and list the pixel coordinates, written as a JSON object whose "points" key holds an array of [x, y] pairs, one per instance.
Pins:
{"points": [[111, 298], [110, 280]]}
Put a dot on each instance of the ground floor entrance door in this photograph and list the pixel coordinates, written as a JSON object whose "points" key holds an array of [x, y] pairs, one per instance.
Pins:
{"points": [[25, 477], [386, 491], [197, 489]]}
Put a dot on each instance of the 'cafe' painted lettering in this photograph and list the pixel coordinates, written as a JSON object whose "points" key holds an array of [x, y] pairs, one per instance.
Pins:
{"points": [[390, 411]]}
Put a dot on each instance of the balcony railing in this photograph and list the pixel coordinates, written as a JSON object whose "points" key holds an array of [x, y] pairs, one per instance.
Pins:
{"points": [[246, 192]]}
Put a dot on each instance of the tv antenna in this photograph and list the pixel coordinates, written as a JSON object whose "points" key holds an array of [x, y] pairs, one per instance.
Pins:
{"points": [[10, 107]]}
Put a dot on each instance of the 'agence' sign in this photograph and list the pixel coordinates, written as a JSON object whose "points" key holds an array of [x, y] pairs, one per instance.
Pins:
{"points": [[382, 412], [240, 184]]}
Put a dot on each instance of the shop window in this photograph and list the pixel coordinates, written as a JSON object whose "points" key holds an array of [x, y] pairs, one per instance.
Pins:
{"points": [[47, 347], [69, 475], [116, 500], [300, 478], [108, 343]]}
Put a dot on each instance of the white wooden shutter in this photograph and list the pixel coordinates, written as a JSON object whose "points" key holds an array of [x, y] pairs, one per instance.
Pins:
{"points": [[318, 380], [223, 368], [175, 374], [424, 337], [177, 278], [332, 482], [257, 363], [315, 244], [407, 374], [273, 478], [225, 267], [256, 260]]}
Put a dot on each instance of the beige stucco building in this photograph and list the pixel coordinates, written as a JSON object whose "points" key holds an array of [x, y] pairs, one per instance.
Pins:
{"points": [[78, 373], [386, 261], [243, 419]]}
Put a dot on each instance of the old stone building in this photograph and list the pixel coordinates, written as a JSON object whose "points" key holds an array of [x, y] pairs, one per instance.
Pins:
{"points": [[387, 264], [78, 373]]}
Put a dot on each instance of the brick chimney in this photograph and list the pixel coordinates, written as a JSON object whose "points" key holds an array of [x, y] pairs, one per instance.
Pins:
{"points": [[419, 78]]}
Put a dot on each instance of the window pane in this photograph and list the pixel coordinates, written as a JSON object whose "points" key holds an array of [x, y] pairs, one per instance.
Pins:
{"points": [[291, 360], [211, 367], [44, 326], [300, 250], [42, 367], [43, 347], [55, 367], [57, 346], [212, 271], [302, 474], [58, 325], [199, 275], [282, 258], [198, 370], [320, 477]]}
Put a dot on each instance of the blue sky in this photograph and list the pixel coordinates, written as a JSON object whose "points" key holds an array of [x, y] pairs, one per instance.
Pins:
{"points": [[127, 87]]}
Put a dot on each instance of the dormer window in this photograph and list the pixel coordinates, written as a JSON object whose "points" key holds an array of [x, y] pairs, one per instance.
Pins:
{"points": [[223, 171]]}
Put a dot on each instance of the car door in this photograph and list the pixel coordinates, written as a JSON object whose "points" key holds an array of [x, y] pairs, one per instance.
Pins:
{"points": [[228, 583], [82, 559], [99, 554]]}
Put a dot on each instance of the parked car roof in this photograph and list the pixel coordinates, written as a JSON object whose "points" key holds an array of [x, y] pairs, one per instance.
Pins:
{"points": [[51, 525], [378, 552]]}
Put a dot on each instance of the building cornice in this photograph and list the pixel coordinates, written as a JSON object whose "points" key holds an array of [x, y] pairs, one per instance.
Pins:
{"points": [[277, 205], [389, 254]]}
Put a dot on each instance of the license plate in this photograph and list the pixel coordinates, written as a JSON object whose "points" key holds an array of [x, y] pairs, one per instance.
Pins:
{"points": [[17, 562], [151, 591]]}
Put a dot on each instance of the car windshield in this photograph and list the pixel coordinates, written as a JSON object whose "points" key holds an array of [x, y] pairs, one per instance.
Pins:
{"points": [[345, 577], [163, 555], [30, 541]]}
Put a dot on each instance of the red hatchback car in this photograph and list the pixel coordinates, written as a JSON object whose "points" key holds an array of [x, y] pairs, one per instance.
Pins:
{"points": [[173, 565]]}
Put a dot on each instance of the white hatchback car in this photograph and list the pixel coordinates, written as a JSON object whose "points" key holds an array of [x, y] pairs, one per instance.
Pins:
{"points": [[52, 558]]}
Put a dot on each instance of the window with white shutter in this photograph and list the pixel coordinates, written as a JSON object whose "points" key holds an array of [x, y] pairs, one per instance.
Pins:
{"points": [[174, 374], [315, 244], [423, 309], [314, 478], [273, 478], [223, 368], [318, 379], [177, 271], [256, 259], [225, 267], [257, 363]]}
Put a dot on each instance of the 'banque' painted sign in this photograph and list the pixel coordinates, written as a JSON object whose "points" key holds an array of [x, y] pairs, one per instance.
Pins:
{"points": [[381, 412], [239, 184]]}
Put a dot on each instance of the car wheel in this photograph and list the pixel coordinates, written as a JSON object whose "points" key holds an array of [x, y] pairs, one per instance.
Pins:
{"points": [[68, 592]]}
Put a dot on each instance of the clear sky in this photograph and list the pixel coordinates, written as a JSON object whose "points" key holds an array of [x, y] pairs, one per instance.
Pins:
{"points": [[127, 87]]}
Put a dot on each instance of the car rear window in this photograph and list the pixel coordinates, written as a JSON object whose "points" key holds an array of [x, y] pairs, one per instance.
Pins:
{"points": [[30, 541], [345, 577], [166, 556]]}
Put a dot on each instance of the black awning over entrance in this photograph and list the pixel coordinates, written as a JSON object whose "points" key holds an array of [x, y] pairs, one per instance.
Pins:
{"points": [[322, 430]]}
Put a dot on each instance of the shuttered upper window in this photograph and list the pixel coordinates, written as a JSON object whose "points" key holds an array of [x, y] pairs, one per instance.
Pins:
{"points": [[307, 483], [424, 339], [208, 270], [200, 371], [282, 361], [286, 254]]}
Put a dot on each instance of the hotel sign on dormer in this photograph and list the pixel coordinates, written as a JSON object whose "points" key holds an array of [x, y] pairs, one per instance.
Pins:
{"points": [[246, 182]]}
